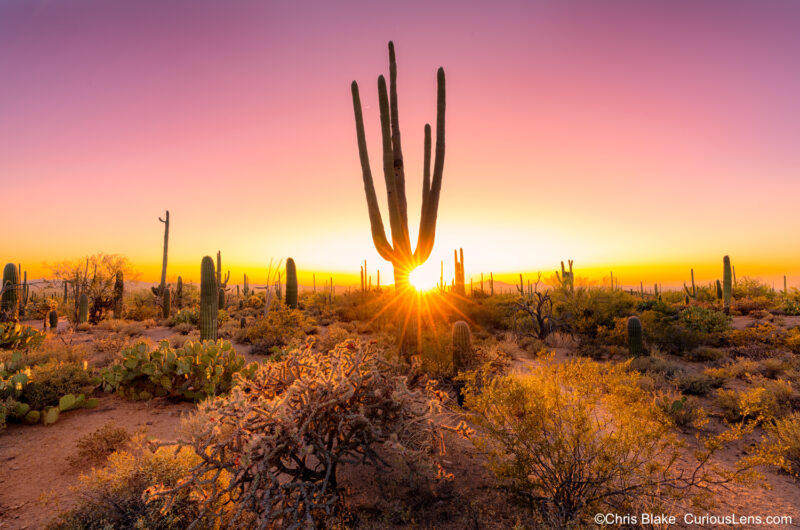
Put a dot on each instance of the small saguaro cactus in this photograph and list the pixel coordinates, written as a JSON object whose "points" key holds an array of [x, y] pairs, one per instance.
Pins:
{"points": [[222, 285], [291, 284], [458, 257], [166, 301], [719, 290], [119, 288], [179, 294], [208, 300], [83, 308], [635, 344], [462, 346], [726, 285], [9, 307], [53, 318]]}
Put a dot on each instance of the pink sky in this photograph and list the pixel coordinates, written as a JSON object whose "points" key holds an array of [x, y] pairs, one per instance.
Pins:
{"points": [[645, 137]]}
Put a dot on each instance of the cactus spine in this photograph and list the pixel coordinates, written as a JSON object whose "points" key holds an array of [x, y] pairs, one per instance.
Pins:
{"points": [[726, 285], [635, 344], [119, 288], [208, 300], [179, 294], [399, 252], [83, 308], [165, 303], [291, 284], [10, 299]]}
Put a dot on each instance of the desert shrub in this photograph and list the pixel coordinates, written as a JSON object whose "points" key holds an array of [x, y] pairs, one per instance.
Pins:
{"points": [[576, 438], [50, 349], [774, 367], [699, 384], [336, 334], [194, 372], [682, 411], [95, 447], [140, 305], [706, 354], [133, 329], [616, 335], [748, 305], [704, 320], [110, 324], [764, 401], [587, 310], [184, 328], [283, 434], [792, 340], [114, 496], [48, 382], [785, 432], [668, 334], [279, 327], [654, 365], [759, 332], [186, 315], [791, 304], [15, 336]]}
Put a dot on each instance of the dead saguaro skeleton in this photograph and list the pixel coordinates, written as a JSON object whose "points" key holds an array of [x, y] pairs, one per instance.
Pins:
{"points": [[399, 252]]}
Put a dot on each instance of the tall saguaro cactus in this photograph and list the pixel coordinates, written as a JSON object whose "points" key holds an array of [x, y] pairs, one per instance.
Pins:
{"points": [[399, 252], [208, 300], [222, 285]]}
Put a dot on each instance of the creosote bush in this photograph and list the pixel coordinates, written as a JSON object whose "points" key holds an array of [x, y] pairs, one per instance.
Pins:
{"points": [[579, 438], [282, 435]]}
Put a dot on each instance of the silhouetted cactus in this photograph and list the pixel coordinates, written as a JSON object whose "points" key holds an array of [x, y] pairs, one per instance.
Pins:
{"points": [[9, 303], [409, 338], [726, 285], [83, 308], [635, 344], [719, 290], [165, 303], [291, 284], [53, 317], [159, 291], [208, 300], [459, 272], [222, 285], [119, 288], [399, 252]]}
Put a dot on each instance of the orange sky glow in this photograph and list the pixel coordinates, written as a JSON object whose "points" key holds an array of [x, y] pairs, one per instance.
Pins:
{"points": [[644, 138]]}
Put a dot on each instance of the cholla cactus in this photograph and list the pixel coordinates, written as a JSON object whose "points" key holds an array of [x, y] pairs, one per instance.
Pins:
{"points": [[208, 300], [635, 343]]}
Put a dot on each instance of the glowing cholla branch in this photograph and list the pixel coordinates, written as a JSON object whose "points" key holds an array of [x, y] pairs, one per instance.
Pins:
{"points": [[399, 251]]}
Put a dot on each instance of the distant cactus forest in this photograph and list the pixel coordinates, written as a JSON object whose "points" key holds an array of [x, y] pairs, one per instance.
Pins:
{"points": [[408, 400]]}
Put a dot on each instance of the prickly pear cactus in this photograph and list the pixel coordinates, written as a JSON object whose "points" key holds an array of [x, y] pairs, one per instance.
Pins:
{"points": [[208, 300], [83, 309], [9, 303], [462, 346], [635, 343], [291, 284]]}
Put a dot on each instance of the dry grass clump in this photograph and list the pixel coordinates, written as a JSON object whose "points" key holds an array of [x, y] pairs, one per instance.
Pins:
{"points": [[94, 448]]}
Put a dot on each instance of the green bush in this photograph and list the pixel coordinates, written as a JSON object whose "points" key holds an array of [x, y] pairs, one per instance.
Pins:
{"points": [[785, 432], [705, 320], [194, 372], [278, 328]]}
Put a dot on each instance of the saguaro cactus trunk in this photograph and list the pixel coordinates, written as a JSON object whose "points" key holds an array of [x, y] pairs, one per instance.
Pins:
{"points": [[159, 292], [399, 252]]}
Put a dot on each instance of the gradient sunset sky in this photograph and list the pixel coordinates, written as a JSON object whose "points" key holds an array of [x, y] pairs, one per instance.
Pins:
{"points": [[641, 137]]}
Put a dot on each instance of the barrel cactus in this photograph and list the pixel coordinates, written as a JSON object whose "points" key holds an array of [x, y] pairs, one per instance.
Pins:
{"points": [[291, 284], [208, 300], [727, 280], [53, 317], [166, 301], [83, 308], [635, 344], [9, 306]]}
